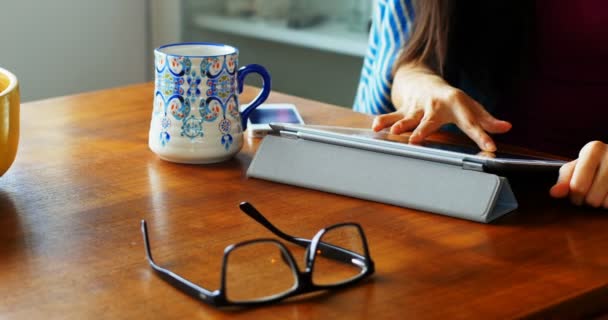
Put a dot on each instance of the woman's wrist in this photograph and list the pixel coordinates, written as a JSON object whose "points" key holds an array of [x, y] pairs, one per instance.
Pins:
{"points": [[413, 68]]}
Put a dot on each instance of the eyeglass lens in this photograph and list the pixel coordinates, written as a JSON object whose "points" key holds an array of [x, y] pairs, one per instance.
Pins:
{"points": [[328, 271], [258, 271]]}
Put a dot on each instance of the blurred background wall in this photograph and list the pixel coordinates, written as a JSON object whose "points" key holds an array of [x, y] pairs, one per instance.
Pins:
{"points": [[67, 46], [312, 48]]}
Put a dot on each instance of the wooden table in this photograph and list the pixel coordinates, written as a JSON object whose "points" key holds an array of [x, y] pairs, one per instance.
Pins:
{"points": [[71, 246]]}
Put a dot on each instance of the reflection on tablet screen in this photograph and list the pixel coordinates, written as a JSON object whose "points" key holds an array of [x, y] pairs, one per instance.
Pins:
{"points": [[404, 138], [264, 116]]}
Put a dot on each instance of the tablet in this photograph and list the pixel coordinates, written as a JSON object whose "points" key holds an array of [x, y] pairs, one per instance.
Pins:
{"points": [[383, 141]]}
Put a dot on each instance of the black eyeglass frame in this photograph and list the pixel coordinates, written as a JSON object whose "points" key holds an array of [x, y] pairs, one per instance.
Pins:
{"points": [[304, 282]]}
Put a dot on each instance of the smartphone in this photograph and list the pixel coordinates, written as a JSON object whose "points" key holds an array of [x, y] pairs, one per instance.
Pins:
{"points": [[262, 116]]}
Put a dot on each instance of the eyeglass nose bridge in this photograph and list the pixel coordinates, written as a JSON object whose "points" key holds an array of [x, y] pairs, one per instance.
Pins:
{"points": [[311, 251], [335, 252]]}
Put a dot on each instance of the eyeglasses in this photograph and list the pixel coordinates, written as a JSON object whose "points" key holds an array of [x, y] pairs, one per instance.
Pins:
{"points": [[263, 270]]}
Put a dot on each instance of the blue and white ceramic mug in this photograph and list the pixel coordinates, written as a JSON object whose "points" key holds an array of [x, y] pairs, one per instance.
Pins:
{"points": [[196, 116]]}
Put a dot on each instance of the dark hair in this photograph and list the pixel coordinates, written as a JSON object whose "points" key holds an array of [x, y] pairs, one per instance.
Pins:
{"points": [[429, 37]]}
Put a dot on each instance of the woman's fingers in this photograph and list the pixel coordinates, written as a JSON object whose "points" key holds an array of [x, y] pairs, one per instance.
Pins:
{"points": [[468, 116], [590, 179], [386, 120], [468, 124], [589, 176], [408, 123], [561, 188], [427, 127], [599, 187], [493, 125], [405, 125], [488, 122], [585, 170]]}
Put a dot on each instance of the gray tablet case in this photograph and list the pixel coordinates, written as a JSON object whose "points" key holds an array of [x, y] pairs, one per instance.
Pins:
{"points": [[456, 191]]}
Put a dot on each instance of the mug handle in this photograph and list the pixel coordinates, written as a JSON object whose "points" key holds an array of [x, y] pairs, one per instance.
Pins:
{"points": [[262, 96]]}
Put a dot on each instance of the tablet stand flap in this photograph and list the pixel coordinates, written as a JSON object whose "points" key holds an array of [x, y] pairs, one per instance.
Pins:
{"points": [[392, 179], [505, 202]]}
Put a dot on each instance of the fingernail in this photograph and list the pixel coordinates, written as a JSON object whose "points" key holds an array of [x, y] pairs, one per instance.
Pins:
{"points": [[554, 191], [489, 146]]}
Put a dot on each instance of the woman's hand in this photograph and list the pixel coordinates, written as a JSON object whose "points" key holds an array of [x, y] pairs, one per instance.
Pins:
{"points": [[585, 180], [425, 102]]}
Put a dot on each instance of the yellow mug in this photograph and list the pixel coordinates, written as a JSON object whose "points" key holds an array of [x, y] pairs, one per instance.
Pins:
{"points": [[9, 119]]}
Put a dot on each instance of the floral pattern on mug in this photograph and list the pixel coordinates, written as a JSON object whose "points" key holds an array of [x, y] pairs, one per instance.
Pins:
{"points": [[209, 84]]}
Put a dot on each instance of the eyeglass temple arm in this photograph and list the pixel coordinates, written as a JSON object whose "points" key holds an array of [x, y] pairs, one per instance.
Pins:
{"points": [[252, 212], [328, 250], [174, 279]]}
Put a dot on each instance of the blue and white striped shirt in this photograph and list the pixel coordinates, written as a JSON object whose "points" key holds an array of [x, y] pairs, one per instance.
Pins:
{"points": [[391, 26]]}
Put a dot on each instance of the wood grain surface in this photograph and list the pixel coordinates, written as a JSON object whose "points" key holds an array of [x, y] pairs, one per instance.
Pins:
{"points": [[71, 247]]}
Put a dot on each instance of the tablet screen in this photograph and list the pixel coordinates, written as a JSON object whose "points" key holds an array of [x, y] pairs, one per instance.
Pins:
{"points": [[404, 139], [470, 150]]}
